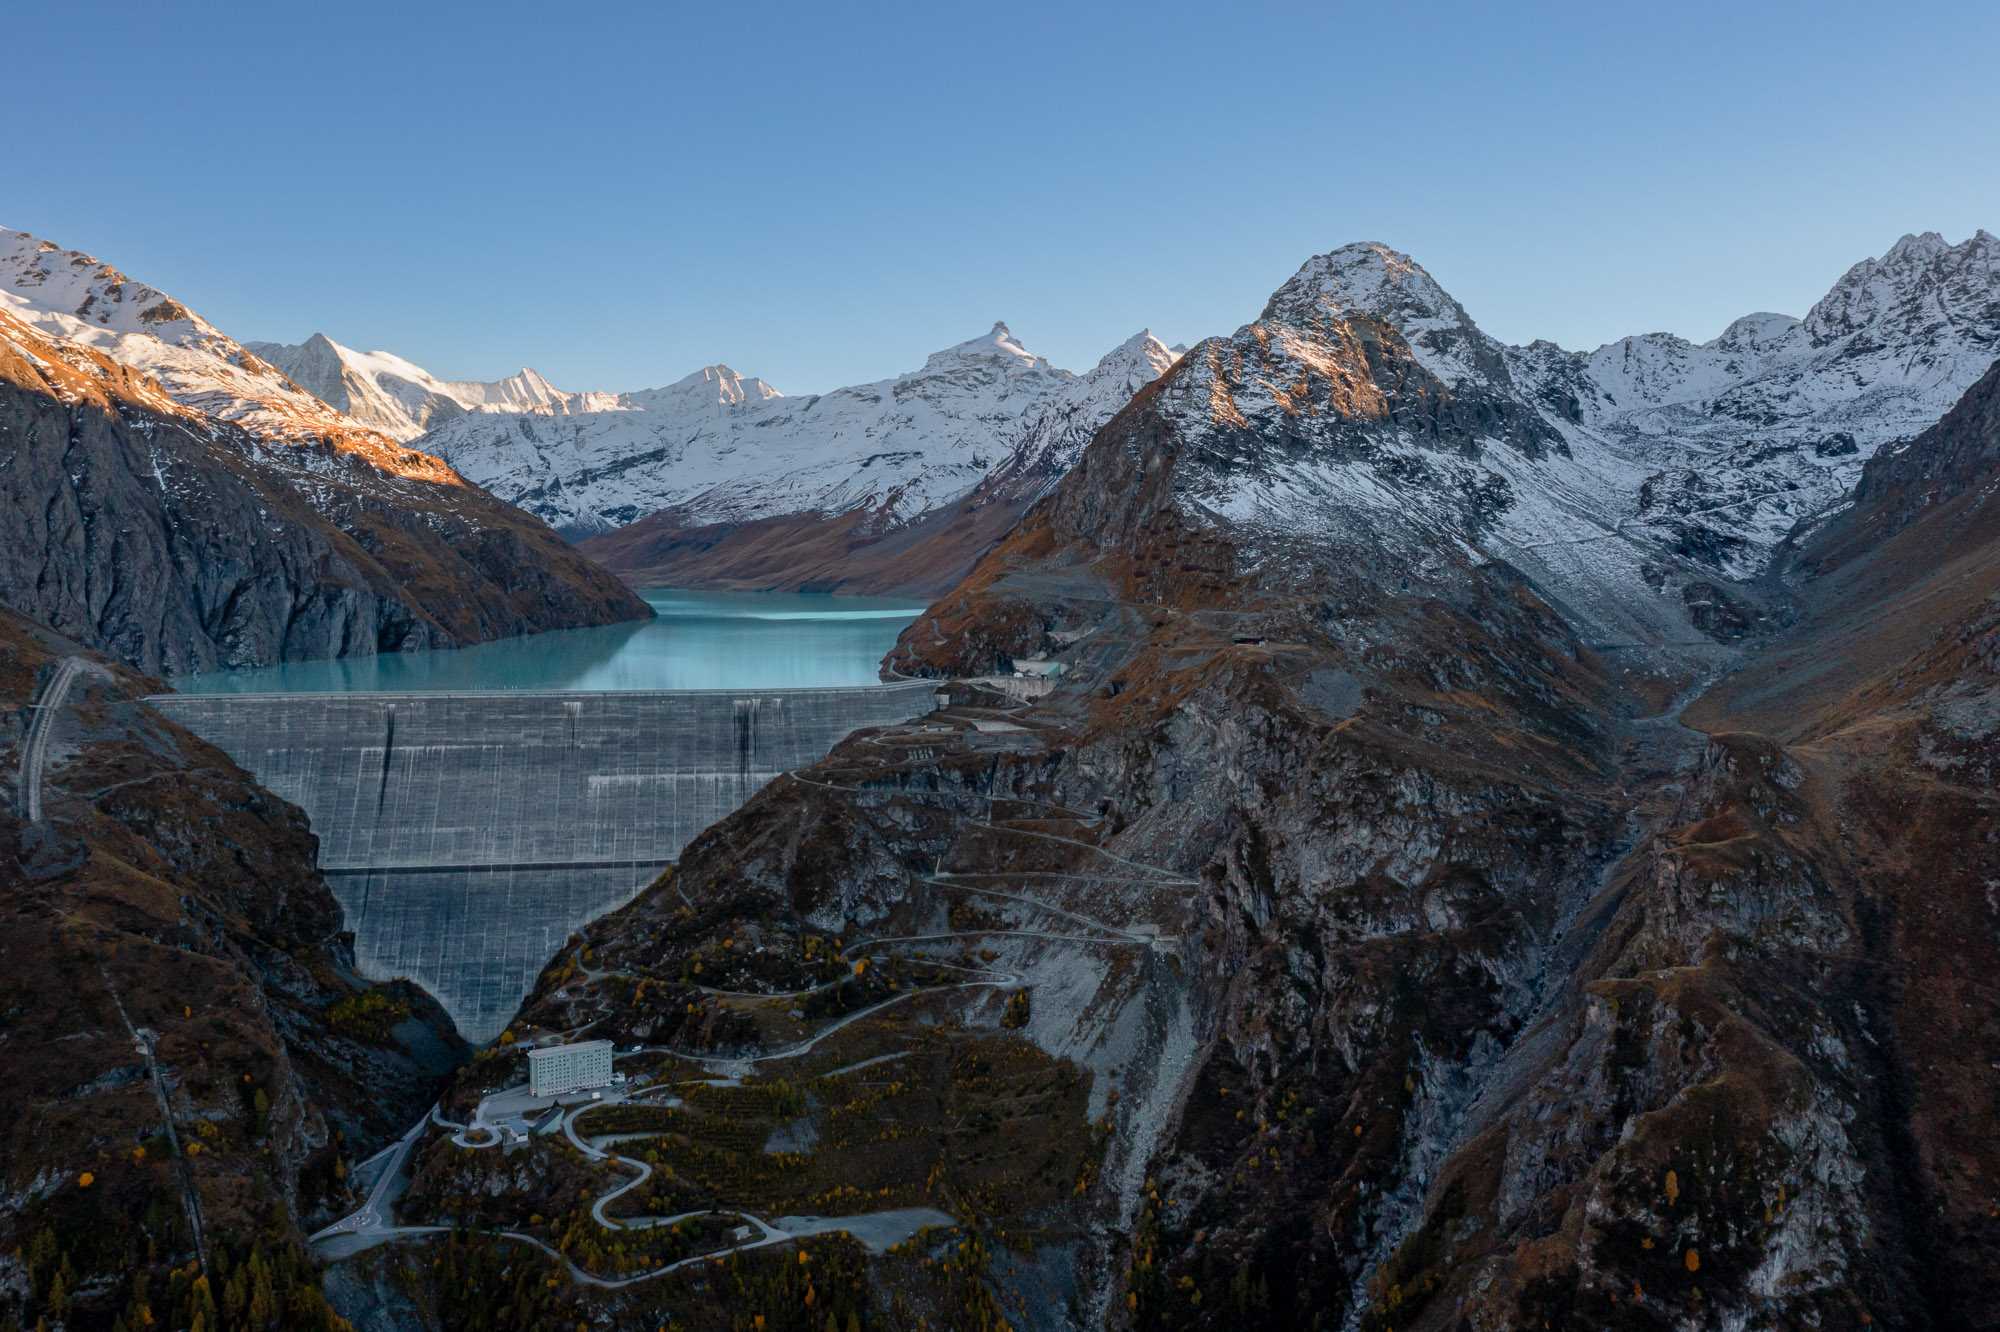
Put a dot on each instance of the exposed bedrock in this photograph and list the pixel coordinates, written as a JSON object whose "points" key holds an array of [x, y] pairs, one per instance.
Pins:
{"points": [[191, 1065], [177, 542]]}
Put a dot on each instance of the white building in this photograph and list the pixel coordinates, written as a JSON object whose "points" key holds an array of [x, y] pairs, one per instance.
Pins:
{"points": [[556, 1069]]}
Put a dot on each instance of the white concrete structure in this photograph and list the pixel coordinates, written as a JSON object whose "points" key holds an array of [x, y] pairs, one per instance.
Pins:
{"points": [[557, 1069]]}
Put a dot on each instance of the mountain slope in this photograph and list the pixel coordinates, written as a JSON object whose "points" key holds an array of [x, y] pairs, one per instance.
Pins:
{"points": [[179, 542], [192, 1067], [1443, 976], [876, 546], [1349, 805], [1723, 1065], [717, 448]]}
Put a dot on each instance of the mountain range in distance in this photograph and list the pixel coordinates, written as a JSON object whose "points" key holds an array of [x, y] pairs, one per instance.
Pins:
{"points": [[178, 502], [1651, 453], [1647, 483]]}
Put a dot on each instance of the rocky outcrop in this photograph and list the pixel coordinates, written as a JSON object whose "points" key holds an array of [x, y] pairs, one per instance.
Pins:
{"points": [[192, 1065], [178, 542]]}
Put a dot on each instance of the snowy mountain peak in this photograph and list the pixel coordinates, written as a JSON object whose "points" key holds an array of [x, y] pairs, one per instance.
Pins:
{"points": [[1141, 353], [1369, 279], [72, 285], [527, 389], [711, 388], [1757, 330], [1365, 278], [998, 345], [1922, 282], [1918, 247], [718, 448]]}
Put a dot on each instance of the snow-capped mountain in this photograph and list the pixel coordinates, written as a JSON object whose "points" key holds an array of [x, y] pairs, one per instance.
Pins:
{"points": [[1052, 439], [402, 399], [75, 297], [717, 447], [1770, 423], [183, 504], [1625, 481]]}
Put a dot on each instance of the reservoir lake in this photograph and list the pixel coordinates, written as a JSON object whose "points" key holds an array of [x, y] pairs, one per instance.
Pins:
{"points": [[697, 640]]}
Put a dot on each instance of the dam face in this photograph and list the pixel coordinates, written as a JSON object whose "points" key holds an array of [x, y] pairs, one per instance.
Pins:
{"points": [[468, 835]]}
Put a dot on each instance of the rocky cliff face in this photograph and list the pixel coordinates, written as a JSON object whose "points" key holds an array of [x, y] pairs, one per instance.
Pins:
{"points": [[192, 1066], [1713, 1064], [1450, 970], [179, 542]]}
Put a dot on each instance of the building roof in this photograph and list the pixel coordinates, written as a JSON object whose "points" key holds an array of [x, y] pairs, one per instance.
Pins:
{"points": [[567, 1049]]}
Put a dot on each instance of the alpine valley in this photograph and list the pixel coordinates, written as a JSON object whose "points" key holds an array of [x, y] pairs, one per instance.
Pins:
{"points": [[1415, 832]]}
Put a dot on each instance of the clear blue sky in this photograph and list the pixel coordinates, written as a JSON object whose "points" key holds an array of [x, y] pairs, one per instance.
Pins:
{"points": [[822, 194]]}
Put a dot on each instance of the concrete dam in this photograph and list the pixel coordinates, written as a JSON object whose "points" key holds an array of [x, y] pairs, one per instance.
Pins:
{"points": [[468, 835]]}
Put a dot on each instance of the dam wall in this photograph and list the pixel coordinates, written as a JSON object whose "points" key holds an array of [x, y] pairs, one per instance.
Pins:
{"points": [[468, 835]]}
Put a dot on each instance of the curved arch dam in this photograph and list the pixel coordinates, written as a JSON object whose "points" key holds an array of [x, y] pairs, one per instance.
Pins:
{"points": [[468, 835]]}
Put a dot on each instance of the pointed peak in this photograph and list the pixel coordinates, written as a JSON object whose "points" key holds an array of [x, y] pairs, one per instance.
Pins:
{"points": [[1366, 278], [999, 344], [320, 347], [715, 383], [1918, 245], [717, 373], [1142, 349]]}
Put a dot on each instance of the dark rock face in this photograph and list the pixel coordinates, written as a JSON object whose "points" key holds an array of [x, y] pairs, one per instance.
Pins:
{"points": [[1713, 611], [1717, 1060], [1518, 1000], [1904, 482], [179, 543], [164, 892]]}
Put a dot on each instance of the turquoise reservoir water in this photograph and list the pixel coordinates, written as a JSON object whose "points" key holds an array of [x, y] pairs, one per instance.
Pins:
{"points": [[700, 640]]}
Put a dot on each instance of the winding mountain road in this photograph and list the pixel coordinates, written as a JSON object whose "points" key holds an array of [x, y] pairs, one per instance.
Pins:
{"points": [[374, 1209], [369, 1222], [35, 745]]}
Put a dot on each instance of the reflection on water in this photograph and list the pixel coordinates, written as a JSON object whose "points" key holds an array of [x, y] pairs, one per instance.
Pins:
{"points": [[700, 640]]}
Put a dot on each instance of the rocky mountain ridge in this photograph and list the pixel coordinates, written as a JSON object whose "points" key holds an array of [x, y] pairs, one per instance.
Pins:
{"points": [[183, 506], [1494, 974], [403, 400], [1650, 453], [888, 544], [717, 448], [1632, 484]]}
